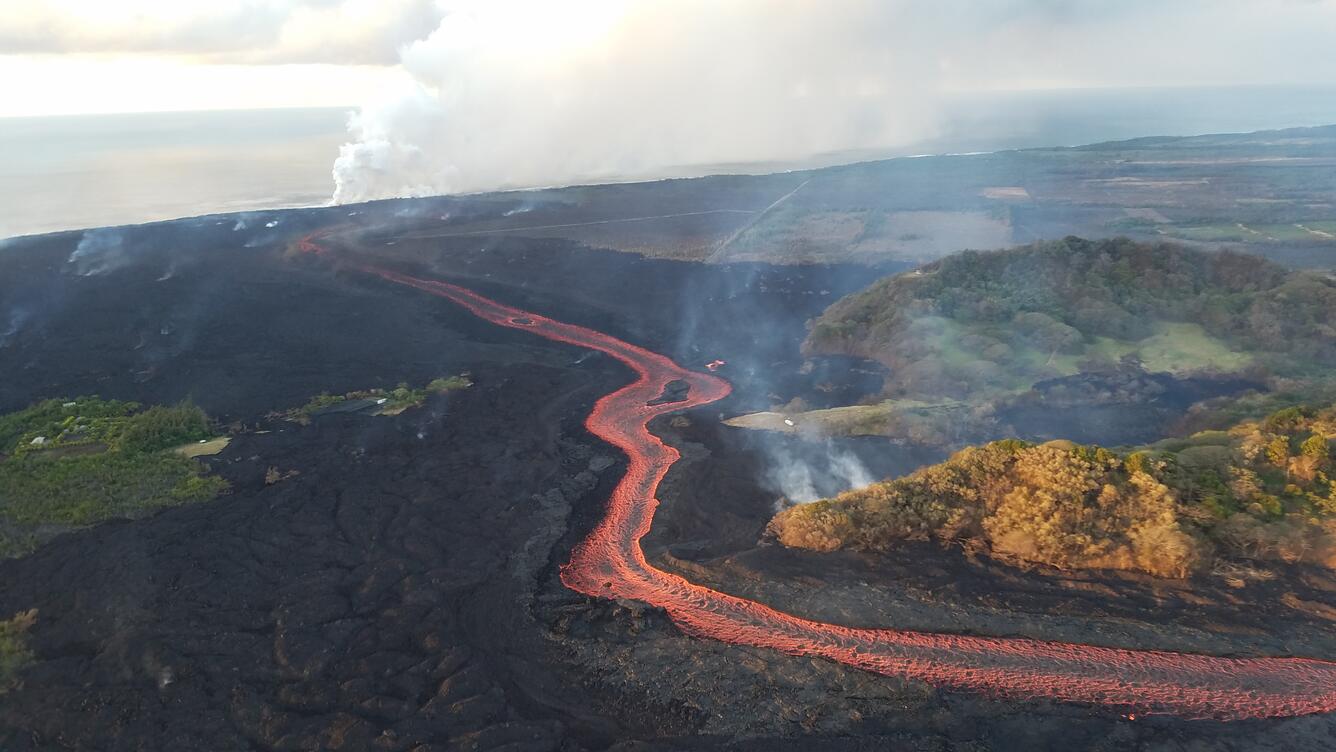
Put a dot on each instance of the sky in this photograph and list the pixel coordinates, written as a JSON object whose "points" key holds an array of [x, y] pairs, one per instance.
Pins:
{"points": [[78, 56], [461, 95]]}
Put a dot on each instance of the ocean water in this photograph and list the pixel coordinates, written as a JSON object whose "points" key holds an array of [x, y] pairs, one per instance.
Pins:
{"points": [[87, 171], [93, 170]]}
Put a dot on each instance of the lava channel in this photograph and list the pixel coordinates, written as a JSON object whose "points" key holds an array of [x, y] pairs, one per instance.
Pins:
{"points": [[609, 563]]}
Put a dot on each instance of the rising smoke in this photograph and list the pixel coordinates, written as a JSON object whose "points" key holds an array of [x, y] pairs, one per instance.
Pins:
{"points": [[99, 251], [805, 470], [512, 94]]}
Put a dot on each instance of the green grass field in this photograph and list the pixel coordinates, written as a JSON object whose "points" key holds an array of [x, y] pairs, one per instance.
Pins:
{"points": [[1180, 348], [1176, 347]]}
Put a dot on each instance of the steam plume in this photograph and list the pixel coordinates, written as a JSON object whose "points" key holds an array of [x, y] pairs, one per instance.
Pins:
{"points": [[523, 93], [562, 92]]}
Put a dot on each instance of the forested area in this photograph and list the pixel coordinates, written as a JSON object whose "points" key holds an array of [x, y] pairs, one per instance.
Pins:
{"points": [[978, 324], [1261, 490]]}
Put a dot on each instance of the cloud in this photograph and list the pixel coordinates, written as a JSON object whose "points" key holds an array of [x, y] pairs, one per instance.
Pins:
{"points": [[511, 93], [348, 32], [1147, 43]]}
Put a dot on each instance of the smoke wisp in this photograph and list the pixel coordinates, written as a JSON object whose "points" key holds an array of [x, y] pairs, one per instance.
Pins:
{"points": [[99, 251], [807, 470], [13, 324]]}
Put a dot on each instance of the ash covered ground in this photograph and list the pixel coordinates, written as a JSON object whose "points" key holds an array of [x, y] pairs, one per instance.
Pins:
{"points": [[399, 590]]}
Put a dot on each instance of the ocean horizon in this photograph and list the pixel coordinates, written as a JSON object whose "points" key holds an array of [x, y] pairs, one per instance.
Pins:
{"points": [[72, 172]]}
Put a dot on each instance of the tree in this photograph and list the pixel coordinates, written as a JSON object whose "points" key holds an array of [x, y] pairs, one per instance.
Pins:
{"points": [[1278, 451], [1316, 447]]}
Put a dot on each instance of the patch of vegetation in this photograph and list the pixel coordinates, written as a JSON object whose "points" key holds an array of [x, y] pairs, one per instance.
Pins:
{"points": [[78, 462], [1261, 490], [162, 428], [57, 422], [14, 652], [116, 425], [388, 401], [93, 488]]}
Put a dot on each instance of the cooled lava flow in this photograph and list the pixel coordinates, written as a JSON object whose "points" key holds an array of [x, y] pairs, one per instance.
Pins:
{"points": [[609, 563]]}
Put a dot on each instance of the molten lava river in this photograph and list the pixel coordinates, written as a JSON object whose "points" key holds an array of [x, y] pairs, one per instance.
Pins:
{"points": [[609, 563]]}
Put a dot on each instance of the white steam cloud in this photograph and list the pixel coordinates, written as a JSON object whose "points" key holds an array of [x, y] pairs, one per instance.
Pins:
{"points": [[525, 93], [564, 92]]}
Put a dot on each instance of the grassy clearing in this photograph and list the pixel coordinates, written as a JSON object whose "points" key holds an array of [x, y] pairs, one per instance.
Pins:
{"points": [[203, 447], [1180, 348], [764, 421], [1175, 347], [851, 420]]}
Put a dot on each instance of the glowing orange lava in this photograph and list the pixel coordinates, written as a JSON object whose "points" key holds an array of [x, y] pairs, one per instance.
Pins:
{"points": [[609, 563]]}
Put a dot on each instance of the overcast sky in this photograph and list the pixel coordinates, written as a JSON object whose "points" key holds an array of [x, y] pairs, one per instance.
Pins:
{"points": [[69, 56]]}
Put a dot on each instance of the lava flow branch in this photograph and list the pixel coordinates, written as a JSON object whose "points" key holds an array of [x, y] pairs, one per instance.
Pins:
{"points": [[609, 563]]}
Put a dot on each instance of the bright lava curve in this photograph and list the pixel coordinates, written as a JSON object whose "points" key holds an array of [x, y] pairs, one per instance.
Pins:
{"points": [[609, 563]]}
